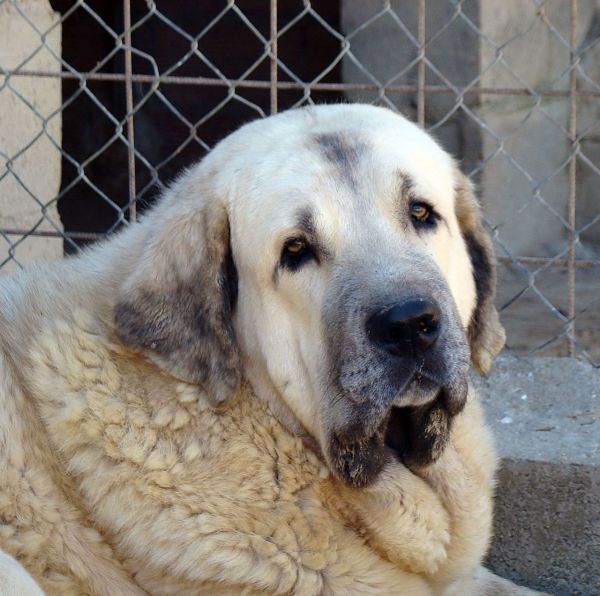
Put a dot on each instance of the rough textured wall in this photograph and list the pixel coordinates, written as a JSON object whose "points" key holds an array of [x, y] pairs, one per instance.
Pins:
{"points": [[30, 163]]}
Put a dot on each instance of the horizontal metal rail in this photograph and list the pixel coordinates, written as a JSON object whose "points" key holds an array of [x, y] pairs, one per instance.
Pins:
{"points": [[291, 85], [50, 234], [578, 264]]}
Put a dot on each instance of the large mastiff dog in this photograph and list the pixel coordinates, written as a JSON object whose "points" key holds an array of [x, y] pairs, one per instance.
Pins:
{"points": [[261, 388]]}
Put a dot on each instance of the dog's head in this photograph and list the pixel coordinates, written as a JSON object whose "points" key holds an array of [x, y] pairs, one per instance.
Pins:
{"points": [[335, 257]]}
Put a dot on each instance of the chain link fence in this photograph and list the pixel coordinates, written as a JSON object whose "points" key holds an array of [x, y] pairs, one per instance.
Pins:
{"points": [[102, 102]]}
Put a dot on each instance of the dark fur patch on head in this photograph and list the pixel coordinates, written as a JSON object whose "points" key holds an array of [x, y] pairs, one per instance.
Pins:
{"points": [[407, 184], [335, 147], [486, 334], [342, 152], [228, 281], [407, 195], [483, 272], [306, 224], [185, 328], [306, 221]]}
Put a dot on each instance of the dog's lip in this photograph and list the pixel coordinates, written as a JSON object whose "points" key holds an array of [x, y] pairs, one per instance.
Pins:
{"points": [[394, 434], [357, 433], [357, 457], [452, 400], [418, 383]]}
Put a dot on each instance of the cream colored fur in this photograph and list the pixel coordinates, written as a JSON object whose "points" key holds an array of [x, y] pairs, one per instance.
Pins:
{"points": [[117, 478]]}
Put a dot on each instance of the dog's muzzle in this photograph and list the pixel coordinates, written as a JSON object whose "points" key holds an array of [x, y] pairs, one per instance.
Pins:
{"points": [[423, 387]]}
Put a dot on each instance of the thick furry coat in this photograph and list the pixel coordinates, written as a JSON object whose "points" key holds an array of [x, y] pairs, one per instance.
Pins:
{"points": [[161, 435]]}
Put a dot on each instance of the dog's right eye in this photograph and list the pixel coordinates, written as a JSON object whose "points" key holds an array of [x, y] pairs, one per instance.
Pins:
{"points": [[296, 251]]}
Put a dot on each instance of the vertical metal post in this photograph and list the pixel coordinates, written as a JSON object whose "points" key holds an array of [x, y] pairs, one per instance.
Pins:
{"points": [[421, 66], [572, 176], [273, 56], [129, 108]]}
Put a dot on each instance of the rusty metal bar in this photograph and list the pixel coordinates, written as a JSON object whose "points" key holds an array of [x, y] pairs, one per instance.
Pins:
{"points": [[579, 264], [572, 177], [50, 234], [274, 89], [129, 108], [421, 66], [253, 84]]}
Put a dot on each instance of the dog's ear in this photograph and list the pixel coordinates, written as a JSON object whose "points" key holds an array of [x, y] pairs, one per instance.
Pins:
{"points": [[486, 334], [175, 306]]}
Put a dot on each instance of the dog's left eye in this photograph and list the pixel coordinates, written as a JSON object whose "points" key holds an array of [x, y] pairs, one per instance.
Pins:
{"points": [[422, 213], [296, 251]]}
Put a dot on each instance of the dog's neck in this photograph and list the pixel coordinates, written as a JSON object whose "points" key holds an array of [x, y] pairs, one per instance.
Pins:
{"points": [[265, 391]]}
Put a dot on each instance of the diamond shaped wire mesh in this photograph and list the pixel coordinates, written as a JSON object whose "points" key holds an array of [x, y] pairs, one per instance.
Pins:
{"points": [[109, 101]]}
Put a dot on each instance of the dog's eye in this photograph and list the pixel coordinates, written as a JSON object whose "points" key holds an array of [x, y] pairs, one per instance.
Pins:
{"points": [[295, 247], [422, 214], [296, 251]]}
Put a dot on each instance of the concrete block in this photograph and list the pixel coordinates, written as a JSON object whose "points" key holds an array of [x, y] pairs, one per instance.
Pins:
{"points": [[545, 414], [29, 116], [526, 44], [547, 533], [524, 187], [384, 48], [531, 134]]}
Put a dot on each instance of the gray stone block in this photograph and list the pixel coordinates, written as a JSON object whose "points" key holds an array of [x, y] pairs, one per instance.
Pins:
{"points": [[545, 415], [547, 527]]}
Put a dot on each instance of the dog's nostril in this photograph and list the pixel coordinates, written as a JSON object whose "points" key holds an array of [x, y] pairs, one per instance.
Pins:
{"points": [[428, 325], [406, 329]]}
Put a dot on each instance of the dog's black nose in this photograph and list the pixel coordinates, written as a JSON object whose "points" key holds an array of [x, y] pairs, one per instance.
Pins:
{"points": [[408, 328]]}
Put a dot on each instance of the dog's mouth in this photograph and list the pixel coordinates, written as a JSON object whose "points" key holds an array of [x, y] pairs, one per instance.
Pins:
{"points": [[416, 435]]}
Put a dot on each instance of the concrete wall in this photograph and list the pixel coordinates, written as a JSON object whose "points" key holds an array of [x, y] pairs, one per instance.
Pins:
{"points": [[517, 47], [532, 56], [38, 167]]}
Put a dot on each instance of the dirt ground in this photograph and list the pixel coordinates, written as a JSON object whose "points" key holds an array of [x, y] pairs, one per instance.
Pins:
{"points": [[531, 318]]}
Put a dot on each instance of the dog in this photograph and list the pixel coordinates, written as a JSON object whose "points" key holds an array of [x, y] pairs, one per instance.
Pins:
{"points": [[262, 386]]}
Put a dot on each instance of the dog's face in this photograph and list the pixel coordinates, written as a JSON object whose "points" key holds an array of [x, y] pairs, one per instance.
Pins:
{"points": [[336, 255]]}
